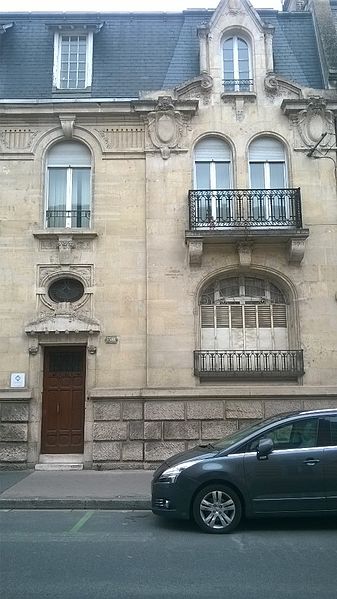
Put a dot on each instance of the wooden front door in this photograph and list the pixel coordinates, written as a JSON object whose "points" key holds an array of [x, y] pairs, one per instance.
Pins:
{"points": [[63, 400]]}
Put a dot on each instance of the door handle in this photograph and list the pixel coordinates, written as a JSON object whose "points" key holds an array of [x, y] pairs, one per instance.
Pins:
{"points": [[311, 461], [58, 407]]}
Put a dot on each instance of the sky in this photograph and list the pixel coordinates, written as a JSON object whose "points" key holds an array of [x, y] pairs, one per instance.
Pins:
{"points": [[120, 5]]}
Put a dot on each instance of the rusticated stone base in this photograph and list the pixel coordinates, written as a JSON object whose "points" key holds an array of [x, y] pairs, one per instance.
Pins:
{"points": [[13, 434], [143, 433]]}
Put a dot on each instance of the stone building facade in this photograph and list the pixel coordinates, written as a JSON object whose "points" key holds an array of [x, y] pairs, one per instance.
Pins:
{"points": [[168, 228]]}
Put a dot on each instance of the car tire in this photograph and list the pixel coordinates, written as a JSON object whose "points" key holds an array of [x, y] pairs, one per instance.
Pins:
{"points": [[217, 509]]}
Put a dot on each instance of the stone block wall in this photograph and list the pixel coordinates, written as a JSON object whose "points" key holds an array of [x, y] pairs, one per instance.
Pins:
{"points": [[143, 433], [14, 416]]}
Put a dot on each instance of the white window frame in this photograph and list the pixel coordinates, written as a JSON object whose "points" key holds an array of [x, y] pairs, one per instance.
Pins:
{"points": [[212, 172], [236, 71], [57, 58], [266, 173], [69, 188]]}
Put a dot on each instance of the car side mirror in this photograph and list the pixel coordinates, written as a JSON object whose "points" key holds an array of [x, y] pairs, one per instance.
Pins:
{"points": [[264, 448]]}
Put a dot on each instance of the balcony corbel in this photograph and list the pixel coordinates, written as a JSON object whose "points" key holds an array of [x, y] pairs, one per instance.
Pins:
{"points": [[195, 251]]}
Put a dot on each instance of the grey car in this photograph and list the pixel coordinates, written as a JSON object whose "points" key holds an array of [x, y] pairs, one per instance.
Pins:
{"points": [[285, 465]]}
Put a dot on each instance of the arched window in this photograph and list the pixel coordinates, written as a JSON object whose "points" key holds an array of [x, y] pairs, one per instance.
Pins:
{"points": [[267, 171], [243, 313], [68, 185], [237, 65], [213, 171]]}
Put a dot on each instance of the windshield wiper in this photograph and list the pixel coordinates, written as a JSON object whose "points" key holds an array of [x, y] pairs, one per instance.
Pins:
{"points": [[207, 445]]}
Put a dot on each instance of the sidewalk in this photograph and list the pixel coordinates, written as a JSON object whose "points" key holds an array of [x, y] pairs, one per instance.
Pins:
{"points": [[84, 489]]}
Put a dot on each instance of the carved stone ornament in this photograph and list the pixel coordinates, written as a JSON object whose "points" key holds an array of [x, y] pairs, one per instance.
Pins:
{"points": [[33, 348], [65, 246], [234, 7], [165, 126], [17, 139], [195, 250], [121, 139], [67, 123], [314, 121], [92, 349]]}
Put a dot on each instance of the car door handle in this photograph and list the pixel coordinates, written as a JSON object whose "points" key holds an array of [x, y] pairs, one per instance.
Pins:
{"points": [[311, 461]]}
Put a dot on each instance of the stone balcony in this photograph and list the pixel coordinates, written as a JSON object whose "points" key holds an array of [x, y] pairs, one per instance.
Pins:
{"points": [[244, 217]]}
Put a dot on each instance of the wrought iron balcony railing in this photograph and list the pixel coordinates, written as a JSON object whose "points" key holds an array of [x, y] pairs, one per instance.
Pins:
{"points": [[68, 218], [224, 208], [238, 85], [280, 364]]}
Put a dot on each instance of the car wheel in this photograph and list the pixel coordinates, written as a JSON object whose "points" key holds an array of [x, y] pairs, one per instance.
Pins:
{"points": [[217, 509]]}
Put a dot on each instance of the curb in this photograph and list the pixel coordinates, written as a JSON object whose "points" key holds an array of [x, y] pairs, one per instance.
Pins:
{"points": [[37, 503]]}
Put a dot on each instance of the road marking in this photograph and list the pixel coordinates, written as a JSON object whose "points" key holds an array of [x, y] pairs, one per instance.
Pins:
{"points": [[81, 521]]}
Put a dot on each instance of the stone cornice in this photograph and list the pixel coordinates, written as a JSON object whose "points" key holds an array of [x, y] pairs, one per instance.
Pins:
{"points": [[15, 394], [92, 107], [294, 105], [219, 392]]}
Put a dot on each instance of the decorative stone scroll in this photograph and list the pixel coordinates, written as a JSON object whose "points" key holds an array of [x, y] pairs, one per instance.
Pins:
{"points": [[275, 85], [198, 87], [166, 126]]}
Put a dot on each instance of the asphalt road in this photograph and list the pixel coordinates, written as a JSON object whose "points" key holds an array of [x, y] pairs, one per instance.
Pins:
{"points": [[134, 555]]}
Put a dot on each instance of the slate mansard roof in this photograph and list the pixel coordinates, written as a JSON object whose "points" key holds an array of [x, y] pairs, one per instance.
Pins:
{"points": [[136, 52]]}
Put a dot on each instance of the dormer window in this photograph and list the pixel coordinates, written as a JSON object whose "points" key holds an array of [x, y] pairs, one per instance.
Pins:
{"points": [[73, 60], [237, 65]]}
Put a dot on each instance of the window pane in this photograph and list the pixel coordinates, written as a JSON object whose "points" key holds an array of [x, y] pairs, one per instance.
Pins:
{"points": [[222, 175], [292, 436], [73, 60], [203, 175], [277, 175], [80, 197], [57, 193], [257, 175]]}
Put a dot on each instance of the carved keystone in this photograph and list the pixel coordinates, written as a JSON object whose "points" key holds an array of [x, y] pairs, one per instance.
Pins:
{"points": [[245, 253]]}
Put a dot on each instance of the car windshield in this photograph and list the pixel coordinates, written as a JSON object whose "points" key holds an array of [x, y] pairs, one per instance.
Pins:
{"points": [[233, 438]]}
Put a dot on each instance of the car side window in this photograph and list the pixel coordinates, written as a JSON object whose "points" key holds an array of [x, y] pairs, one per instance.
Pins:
{"points": [[298, 434], [333, 430]]}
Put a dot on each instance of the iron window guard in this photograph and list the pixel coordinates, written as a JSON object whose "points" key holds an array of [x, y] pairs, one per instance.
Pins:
{"points": [[251, 363], [61, 218], [238, 85]]}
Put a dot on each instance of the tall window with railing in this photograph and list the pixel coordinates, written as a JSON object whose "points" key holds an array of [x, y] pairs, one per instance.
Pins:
{"points": [[68, 186], [237, 65], [267, 171], [244, 330], [213, 172]]}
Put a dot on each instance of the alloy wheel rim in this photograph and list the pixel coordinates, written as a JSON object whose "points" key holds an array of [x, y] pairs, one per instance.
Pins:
{"points": [[217, 510]]}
